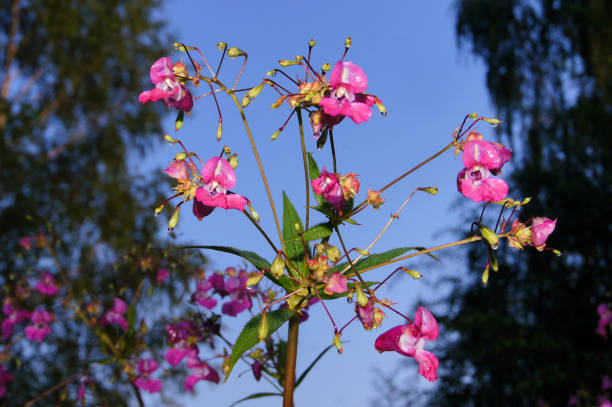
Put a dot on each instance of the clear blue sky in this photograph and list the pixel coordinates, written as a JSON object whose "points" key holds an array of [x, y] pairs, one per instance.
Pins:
{"points": [[409, 53]]}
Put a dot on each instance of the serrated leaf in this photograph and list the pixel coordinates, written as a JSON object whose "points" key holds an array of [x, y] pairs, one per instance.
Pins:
{"points": [[253, 258], [317, 232], [293, 244], [255, 396], [309, 368], [249, 336]]}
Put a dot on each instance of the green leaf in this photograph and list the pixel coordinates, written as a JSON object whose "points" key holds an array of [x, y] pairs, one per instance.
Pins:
{"points": [[317, 232], [293, 244], [253, 258], [309, 368], [255, 396], [249, 336], [313, 170]]}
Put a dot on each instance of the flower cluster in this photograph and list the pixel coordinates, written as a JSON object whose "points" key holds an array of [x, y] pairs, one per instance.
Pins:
{"points": [[336, 190], [232, 284], [535, 235]]}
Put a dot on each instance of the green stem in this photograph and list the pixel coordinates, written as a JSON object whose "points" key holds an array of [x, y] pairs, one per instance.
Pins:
{"points": [[299, 115], [292, 343]]}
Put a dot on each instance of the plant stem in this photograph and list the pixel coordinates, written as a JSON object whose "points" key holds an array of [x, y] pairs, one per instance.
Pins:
{"points": [[306, 180], [333, 149], [292, 343]]}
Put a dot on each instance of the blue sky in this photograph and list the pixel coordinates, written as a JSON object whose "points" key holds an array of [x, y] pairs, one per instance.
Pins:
{"points": [[409, 53]]}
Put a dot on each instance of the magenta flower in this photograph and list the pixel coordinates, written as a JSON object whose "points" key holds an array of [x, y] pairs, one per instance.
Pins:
{"points": [[201, 295], [239, 295], [25, 242], [366, 314], [14, 316], [182, 337], [256, 368], [409, 340], [47, 284], [219, 177], [328, 185], [40, 329], [5, 377], [115, 315], [336, 284], [178, 169], [541, 228], [168, 87], [162, 275], [199, 371], [482, 159], [144, 380], [348, 82], [605, 319]]}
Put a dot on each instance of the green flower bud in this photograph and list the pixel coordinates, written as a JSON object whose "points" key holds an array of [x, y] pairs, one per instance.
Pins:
{"points": [[362, 299], [262, 331], [311, 43], [174, 219], [233, 160], [278, 266], [333, 253], [251, 281], [180, 156], [234, 52], [489, 236], [245, 101], [337, 343], [221, 45], [287, 62], [348, 42], [430, 190], [178, 123], [170, 140], [275, 135], [326, 67], [412, 273], [159, 209], [485, 276], [219, 131]]}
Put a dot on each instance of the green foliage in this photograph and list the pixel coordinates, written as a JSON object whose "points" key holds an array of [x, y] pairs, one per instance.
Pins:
{"points": [[292, 228], [249, 336]]}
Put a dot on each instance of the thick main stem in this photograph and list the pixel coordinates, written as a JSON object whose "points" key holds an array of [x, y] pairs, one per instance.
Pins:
{"points": [[292, 343]]}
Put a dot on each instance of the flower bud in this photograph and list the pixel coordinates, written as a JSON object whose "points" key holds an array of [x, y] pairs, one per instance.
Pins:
{"points": [[326, 67], [234, 52], [251, 281], [271, 73], [485, 275], [363, 252], [430, 190], [348, 42], [297, 227], [178, 123], [278, 266], [254, 92], [378, 317], [174, 219], [375, 199], [412, 273], [492, 122], [381, 107], [473, 116], [299, 58], [362, 299], [221, 45], [493, 262], [245, 101], [169, 139], [489, 236], [333, 253], [180, 47], [275, 135], [349, 297], [320, 249], [286, 62], [159, 209], [180, 156], [233, 160], [337, 342], [219, 131], [262, 331], [311, 43]]}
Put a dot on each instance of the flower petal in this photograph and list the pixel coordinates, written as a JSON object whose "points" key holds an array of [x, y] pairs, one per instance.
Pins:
{"points": [[219, 170], [348, 73], [426, 323]]}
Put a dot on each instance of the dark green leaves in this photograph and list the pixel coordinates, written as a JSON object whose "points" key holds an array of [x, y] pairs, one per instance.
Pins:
{"points": [[249, 336], [292, 227]]}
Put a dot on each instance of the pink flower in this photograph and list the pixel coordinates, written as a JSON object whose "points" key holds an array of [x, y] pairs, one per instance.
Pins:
{"points": [[115, 315], [409, 340], [162, 275], [182, 337], [199, 371], [25, 242], [201, 295], [219, 177], [366, 315], [348, 82], [14, 316], [482, 159], [40, 329], [256, 367], [47, 284], [144, 380], [168, 87], [328, 185], [5, 377], [336, 284], [541, 228], [239, 295], [178, 169], [605, 318]]}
